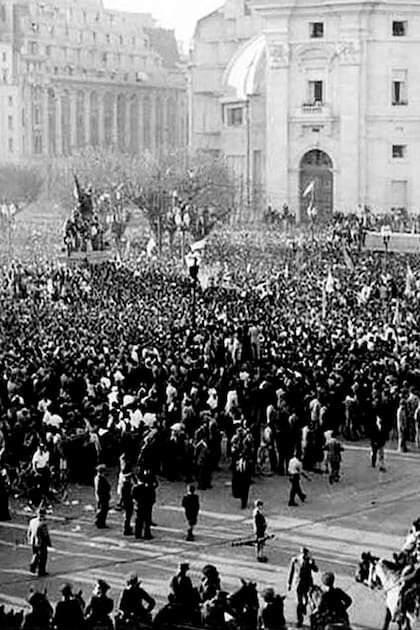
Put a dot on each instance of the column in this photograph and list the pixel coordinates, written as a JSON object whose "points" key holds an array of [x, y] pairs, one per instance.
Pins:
{"points": [[153, 122], [114, 121], [127, 129], [58, 129], [101, 119], [140, 122], [87, 142], [73, 121], [277, 135], [45, 126]]}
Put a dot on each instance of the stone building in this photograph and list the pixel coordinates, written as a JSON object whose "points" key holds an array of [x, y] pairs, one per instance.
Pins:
{"points": [[312, 94], [73, 74]]}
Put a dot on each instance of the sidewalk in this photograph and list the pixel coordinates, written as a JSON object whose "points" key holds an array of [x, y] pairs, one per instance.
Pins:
{"points": [[391, 448]]}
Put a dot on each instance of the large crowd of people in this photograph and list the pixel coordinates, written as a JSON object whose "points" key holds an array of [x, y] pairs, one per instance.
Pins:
{"points": [[294, 341]]}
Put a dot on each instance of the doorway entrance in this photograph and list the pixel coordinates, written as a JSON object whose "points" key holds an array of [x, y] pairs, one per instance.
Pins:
{"points": [[316, 184]]}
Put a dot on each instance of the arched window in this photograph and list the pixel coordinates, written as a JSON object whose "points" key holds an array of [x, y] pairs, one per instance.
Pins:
{"points": [[121, 122], [52, 118], [94, 119]]}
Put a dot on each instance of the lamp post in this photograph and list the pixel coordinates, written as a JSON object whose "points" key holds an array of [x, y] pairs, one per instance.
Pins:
{"points": [[182, 222], [193, 268]]}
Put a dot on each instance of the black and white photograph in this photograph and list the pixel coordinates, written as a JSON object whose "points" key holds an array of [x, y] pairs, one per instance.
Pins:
{"points": [[209, 314]]}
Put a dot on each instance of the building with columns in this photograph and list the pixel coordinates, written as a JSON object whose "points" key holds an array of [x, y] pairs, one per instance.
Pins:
{"points": [[309, 96], [73, 74]]}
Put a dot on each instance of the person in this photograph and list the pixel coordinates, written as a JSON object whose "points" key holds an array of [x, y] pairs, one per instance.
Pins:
{"points": [[334, 602], [99, 608], [135, 603], [39, 539], [214, 611], [241, 480], [300, 577], [260, 528], [127, 503], [378, 440], [41, 469], [210, 583], [39, 616], [271, 615], [68, 613], [144, 496], [295, 470], [333, 457], [182, 587], [191, 505], [402, 426], [4, 494], [102, 496]]}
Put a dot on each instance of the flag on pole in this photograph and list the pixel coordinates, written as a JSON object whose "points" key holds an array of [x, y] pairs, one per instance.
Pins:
{"points": [[329, 283], [348, 259], [409, 281], [286, 271], [77, 191], [199, 245], [309, 188]]}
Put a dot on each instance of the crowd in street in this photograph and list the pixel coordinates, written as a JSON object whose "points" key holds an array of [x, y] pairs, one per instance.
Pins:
{"points": [[292, 339]]}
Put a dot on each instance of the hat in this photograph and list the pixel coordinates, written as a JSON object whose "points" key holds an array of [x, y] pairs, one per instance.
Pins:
{"points": [[66, 589], [258, 502], [184, 565], [328, 579], [133, 578], [101, 468], [103, 585]]}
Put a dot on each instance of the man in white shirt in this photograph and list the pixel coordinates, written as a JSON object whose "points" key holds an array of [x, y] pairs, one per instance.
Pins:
{"points": [[41, 468], [295, 470]]}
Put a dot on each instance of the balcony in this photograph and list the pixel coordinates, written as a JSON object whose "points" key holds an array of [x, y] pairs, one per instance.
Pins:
{"points": [[316, 107]]}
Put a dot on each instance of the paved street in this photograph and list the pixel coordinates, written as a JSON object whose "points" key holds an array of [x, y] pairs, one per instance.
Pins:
{"points": [[368, 510]]}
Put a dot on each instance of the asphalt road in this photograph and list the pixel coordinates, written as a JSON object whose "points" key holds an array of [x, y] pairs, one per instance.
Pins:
{"points": [[367, 510]]}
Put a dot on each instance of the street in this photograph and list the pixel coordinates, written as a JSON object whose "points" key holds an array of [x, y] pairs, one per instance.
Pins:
{"points": [[367, 511]]}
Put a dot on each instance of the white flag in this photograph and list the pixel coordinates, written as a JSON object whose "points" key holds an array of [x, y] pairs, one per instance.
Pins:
{"points": [[329, 284], [150, 246], [198, 245], [309, 188]]}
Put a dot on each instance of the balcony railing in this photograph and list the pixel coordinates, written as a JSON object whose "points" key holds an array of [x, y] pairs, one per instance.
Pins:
{"points": [[314, 107]]}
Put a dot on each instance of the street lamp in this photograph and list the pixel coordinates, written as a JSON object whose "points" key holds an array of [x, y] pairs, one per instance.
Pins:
{"points": [[182, 222], [193, 265]]}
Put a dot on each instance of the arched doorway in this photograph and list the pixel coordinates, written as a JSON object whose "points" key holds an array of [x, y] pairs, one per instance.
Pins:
{"points": [[316, 184]]}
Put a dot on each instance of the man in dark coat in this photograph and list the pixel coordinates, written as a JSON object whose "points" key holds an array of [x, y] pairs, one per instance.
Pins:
{"points": [[127, 502], [135, 603], [191, 505], [144, 496], [102, 496], [241, 480], [68, 614]]}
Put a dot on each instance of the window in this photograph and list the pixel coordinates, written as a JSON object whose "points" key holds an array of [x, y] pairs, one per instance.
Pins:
{"points": [[316, 30], [48, 51], [104, 57], [121, 40], [234, 116], [10, 145], [33, 48], [399, 28], [94, 36], [10, 123], [37, 144], [399, 194], [399, 151], [4, 57], [316, 92], [37, 115], [108, 38], [399, 87], [10, 101]]}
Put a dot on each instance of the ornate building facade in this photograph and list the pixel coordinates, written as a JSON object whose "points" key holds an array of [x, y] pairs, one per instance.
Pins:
{"points": [[309, 96], [73, 74]]}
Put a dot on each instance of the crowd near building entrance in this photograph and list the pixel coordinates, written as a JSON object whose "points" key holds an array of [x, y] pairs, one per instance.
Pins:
{"points": [[316, 168]]}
